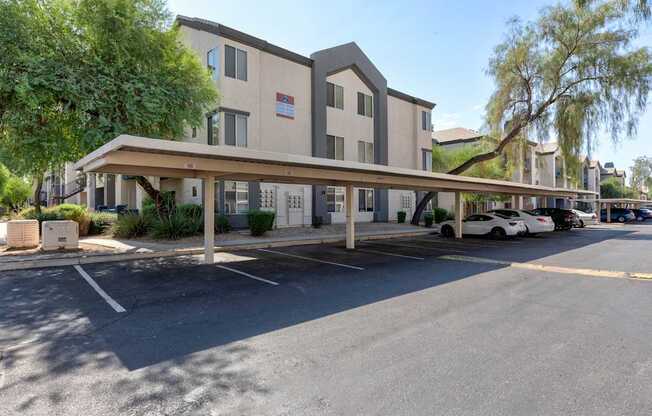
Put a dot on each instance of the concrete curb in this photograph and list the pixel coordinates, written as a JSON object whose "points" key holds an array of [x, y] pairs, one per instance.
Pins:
{"points": [[117, 257]]}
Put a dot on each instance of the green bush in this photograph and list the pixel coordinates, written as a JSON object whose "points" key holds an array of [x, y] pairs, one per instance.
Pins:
{"points": [[450, 216], [428, 219], [440, 214], [400, 216], [101, 221], [176, 225], [222, 224], [260, 221], [130, 226]]}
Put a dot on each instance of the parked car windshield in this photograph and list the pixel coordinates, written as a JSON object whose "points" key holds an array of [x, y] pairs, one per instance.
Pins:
{"points": [[532, 213], [505, 217]]}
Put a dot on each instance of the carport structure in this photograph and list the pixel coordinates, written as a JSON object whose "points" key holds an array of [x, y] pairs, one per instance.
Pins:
{"points": [[608, 203], [131, 155]]}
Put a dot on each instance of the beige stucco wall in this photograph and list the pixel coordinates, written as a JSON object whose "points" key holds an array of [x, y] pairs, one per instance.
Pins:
{"points": [[346, 122]]}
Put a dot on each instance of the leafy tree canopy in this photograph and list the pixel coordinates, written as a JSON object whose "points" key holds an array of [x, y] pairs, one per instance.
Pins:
{"points": [[641, 173], [77, 73], [569, 74], [613, 188], [15, 193]]}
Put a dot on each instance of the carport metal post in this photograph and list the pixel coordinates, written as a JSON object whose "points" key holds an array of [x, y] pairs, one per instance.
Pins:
{"points": [[209, 219], [350, 218], [459, 213], [608, 212]]}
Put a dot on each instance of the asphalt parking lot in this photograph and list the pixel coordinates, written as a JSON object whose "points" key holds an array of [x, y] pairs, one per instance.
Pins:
{"points": [[557, 324]]}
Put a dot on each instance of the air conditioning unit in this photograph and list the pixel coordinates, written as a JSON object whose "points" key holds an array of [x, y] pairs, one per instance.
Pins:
{"points": [[60, 235], [22, 233]]}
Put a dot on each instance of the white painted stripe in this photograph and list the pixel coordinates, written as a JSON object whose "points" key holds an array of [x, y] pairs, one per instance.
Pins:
{"points": [[384, 253], [419, 247], [115, 305], [311, 259], [553, 269], [251, 276]]}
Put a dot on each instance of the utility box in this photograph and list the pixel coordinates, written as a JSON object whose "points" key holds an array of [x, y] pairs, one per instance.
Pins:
{"points": [[22, 233], [60, 235]]}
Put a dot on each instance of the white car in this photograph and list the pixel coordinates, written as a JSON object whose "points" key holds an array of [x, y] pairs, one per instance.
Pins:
{"points": [[534, 223], [496, 225], [586, 218]]}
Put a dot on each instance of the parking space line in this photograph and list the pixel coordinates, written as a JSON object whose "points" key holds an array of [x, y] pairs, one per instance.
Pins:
{"points": [[417, 247], [311, 259], [245, 274], [384, 253], [115, 305], [553, 269]]}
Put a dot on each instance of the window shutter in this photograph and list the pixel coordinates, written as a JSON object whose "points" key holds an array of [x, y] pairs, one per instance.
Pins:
{"points": [[229, 129], [242, 64], [361, 104]]}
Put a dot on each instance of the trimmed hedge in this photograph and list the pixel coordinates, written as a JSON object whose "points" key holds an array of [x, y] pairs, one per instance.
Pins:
{"points": [[222, 224], [440, 214], [260, 221]]}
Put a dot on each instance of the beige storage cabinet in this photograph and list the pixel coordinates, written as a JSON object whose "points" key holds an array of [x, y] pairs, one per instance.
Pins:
{"points": [[60, 235], [22, 233]]}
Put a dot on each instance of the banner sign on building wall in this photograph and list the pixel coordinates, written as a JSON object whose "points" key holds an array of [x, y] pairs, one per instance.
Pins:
{"points": [[284, 105]]}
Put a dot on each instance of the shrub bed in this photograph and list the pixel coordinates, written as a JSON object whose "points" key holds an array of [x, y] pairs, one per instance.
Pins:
{"points": [[428, 219], [400, 216], [440, 214], [71, 212]]}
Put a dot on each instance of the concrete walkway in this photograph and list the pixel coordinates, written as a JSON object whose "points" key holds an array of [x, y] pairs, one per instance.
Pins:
{"points": [[103, 249]]}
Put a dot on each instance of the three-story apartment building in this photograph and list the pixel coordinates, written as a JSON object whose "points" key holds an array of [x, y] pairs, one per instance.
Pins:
{"points": [[334, 104]]}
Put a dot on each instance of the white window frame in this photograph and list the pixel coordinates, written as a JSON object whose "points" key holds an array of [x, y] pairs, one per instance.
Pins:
{"points": [[365, 151], [426, 120], [367, 104], [336, 193], [365, 200], [240, 200], [336, 88], [338, 143], [426, 160], [236, 66], [240, 127]]}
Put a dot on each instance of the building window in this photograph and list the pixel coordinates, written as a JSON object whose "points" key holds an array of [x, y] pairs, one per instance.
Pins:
{"points": [[213, 129], [335, 198], [194, 132], [365, 152], [212, 58], [236, 197], [335, 147], [365, 105], [235, 130], [426, 163], [235, 63], [194, 191], [365, 200], [426, 120], [334, 96]]}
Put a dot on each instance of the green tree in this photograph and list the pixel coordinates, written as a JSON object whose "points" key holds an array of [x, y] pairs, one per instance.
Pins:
{"points": [[571, 72], [641, 173], [4, 178], [16, 193], [88, 71], [614, 188]]}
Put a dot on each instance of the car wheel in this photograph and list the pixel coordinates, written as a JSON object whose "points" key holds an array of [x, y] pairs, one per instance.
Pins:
{"points": [[621, 219], [581, 224], [447, 231], [527, 230], [498, 233]]}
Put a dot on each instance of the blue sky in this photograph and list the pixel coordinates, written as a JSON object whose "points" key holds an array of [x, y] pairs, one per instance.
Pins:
{"points": [[436, 50]]}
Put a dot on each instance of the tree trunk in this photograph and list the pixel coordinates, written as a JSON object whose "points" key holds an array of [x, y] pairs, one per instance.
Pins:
{"points": [[483, 157], [161, 207], [37, 193]]}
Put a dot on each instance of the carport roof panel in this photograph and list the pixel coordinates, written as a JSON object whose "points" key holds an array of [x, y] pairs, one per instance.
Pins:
{"points": [[138, 155]]}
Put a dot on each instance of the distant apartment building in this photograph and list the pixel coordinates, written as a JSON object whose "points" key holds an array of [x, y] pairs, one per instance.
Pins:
{"points": [[334, 104], [537, 164]]}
